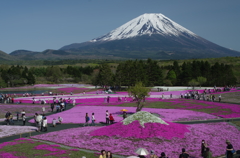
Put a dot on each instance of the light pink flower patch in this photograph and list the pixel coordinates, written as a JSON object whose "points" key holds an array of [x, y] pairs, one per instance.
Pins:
{"points": [[15, 130]]}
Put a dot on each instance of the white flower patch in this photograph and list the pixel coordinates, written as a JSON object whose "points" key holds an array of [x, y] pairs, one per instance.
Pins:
{"points": [[143, 117]]}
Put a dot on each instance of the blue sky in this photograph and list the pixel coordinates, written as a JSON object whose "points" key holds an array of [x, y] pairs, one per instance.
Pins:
{"points": [[51, 24]]}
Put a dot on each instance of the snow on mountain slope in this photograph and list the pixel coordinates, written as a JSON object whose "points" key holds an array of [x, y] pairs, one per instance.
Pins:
{"points": [[147, 24]]}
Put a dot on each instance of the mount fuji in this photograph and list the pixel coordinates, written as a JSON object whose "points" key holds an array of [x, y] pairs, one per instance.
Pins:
{"points": [[147, 24], [150, 36]]}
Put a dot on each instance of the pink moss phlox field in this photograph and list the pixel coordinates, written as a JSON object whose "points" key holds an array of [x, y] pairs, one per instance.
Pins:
{"points": [[215, 135], [77, 114], [135, 130]]}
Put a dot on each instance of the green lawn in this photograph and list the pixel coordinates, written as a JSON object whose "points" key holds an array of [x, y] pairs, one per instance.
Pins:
{"points": [[26, 148], [236, 123], [231, 97]]}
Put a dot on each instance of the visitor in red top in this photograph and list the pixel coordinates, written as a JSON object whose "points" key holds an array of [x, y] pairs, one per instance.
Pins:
{"points": [[111, 119]]}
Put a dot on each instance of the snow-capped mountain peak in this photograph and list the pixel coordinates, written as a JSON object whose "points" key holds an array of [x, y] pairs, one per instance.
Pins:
{"points": [[146, 24]]}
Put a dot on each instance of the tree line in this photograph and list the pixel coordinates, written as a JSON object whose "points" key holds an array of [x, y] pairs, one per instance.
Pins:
{"points": [[11, 76], [150, 73], [126, 73]]}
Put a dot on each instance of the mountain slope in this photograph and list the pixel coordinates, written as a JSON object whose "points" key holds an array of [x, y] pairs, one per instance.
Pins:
{"points": [[5, 57], [151, 36]]}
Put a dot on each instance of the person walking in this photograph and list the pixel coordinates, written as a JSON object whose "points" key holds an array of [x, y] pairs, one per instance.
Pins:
{"points": [[219, 98], [207, 153], [74, 102], [38, 121], [54, 122], [111, 119], [44, 124], [184, 154], [124, 115], [43, 109], [93, 120], [203, 147], [86, 120], [24, 119], [229, 149], [213, 97], [163, 155], [107, 117], [52, 106], [23, 113]]}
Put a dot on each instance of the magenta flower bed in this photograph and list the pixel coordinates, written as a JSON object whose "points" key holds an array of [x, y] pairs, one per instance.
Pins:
{"points": [[82, 138], [77, 114], [135, 130], [54, 151]]}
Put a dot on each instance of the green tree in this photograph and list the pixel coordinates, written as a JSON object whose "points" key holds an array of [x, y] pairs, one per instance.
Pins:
{"points": [[105, 75], [186, 74], [193, 83], [171, 75], [31, 78], [154, 73], [2, 83], [201, 80], [53, 73], [119, 76], [139, 92]]}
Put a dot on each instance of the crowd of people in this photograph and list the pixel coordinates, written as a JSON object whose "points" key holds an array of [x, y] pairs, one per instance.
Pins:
{"points": [[109, 118], [41, 122], [205, 96], [5, 98]]}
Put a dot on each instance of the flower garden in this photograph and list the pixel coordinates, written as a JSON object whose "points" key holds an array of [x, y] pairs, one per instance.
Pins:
{"points": [[156, 128]]}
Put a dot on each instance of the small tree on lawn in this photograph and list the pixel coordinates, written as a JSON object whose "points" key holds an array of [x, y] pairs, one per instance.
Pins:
{"points": [[139, 92], [193, 83], [201, 80]]}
